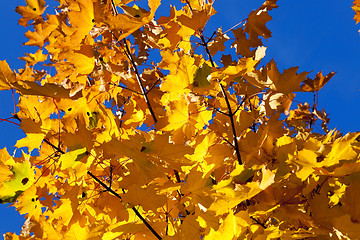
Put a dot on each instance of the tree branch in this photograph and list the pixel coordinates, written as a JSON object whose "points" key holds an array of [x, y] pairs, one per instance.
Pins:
{"points": [[133, 208], [231, 114], [138, 78]]}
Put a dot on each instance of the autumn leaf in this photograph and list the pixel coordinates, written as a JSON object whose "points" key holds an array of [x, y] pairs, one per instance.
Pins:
{"points": [[202, 76], [313, 85], [32, 11], [356, 8], [68, 159], [126, 23], [22, 180], [81, 18], [6, 76], [288, 81], [133, 129]]}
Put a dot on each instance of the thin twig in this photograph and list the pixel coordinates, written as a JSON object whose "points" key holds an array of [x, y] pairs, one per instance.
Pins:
{"points": [[258, 222], [133, 64], [55, 147], [231, 115], [133, 208], [153, 86], [138, 78], [217, 110], [206, 49], [126, 88]]}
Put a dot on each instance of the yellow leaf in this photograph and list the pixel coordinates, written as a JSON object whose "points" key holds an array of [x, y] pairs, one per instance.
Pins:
{"points": [[228, 196], [126, 23], [32, 11], [287, 82], [32, 59], [231, 227], [6, 76], [83, 59], [178, 116], [267, 178], [23, 178], [28, 203], [68, 159], [81, 17], [147, 198]]}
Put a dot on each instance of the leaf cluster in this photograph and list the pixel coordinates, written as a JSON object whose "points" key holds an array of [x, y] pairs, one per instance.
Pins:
{"points": [[123, 147]]}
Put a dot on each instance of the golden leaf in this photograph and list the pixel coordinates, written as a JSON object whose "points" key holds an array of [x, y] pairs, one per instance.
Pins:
{"points": [[6, 76]]}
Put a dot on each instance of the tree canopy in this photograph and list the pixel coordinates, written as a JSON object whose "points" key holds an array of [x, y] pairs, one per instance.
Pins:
{"points": [[144, 128]]}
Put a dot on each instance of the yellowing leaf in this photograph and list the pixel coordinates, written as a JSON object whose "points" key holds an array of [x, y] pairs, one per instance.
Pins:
{"points": [[68, 159], [48, 89], [229, 196], [83, 59], [202, 76], [178, 116], [28, 203], [255, 25], [23, 178], [147, 198], [197, 20], [231, 227]]}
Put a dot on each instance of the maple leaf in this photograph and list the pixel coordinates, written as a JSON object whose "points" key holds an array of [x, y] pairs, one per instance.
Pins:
{"points": [[255, 25], [202, 76], [32, 59], [127, 23], [32, 11], [68, 159], [270, 77], [23, 177], [42, 31], [218, 43], [220, 161], [6, 76], [81, 17], [232, 226], [313, 85]]}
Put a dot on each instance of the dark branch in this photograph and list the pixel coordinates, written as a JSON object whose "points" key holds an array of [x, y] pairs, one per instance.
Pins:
{"points": [[231, 114], [55, 147], [138, 78], [133, 208]]}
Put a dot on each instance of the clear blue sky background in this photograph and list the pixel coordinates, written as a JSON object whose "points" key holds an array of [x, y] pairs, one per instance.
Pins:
{"points": [[314, 35]]}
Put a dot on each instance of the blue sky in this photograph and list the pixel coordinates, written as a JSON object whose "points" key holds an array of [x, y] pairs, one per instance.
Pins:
{"points": [[314, 35]]}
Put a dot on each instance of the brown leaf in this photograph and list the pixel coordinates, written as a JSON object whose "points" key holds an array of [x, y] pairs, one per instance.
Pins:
{"points": [[313, 85]]}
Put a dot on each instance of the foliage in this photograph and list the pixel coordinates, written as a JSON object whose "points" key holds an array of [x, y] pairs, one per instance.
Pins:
{"points": [[121, 146]]}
